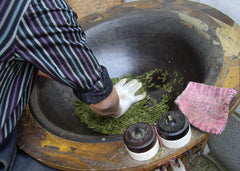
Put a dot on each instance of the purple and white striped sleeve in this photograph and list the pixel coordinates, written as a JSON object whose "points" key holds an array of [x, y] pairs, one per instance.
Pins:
{"points": [[50, 38]]}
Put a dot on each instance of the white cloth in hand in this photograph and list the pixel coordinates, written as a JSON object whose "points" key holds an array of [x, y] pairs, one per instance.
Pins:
{"points": [[126, 93]]}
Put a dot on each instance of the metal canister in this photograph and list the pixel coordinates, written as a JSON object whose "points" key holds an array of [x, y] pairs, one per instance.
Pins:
{"points": [[174, 129], [141, 141]]}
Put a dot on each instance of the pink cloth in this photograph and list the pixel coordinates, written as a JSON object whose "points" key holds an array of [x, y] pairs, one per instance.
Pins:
{"points": [[206, 107]]}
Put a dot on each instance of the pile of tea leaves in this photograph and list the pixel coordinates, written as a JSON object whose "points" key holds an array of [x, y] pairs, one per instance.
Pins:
{"points": [[147, 110]]}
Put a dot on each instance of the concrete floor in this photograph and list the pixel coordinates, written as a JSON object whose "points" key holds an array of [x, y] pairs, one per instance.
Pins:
{"points": [[204, 165]]}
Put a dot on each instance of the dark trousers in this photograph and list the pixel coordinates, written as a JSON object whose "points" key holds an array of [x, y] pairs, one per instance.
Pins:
{"points": [[8, 152]]}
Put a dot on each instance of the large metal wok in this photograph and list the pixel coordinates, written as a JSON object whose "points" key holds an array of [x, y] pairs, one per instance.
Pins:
{"points": [[134, 41]]}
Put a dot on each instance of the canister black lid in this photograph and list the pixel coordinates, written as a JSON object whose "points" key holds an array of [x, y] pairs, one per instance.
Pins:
{"points": [[173, 125], [140, 137]]}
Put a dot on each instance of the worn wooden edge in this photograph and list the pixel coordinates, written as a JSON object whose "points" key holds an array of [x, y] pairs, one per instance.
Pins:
{"points": [[59, 153], [85, 8], [234, 103]]}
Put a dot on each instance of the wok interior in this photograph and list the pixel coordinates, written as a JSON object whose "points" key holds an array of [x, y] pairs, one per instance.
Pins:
{"points": [[133, 43]]}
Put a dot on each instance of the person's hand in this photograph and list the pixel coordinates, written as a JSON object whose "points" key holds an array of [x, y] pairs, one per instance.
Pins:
{"points": [[108, 107], [126, 93], [181, 166]]}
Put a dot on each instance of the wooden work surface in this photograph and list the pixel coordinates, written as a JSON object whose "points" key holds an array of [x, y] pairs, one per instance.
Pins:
{"points": [[85, 8], [64, 154]]}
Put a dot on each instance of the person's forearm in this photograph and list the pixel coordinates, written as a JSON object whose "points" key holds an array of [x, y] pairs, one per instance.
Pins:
{"points": [[108, 107]]}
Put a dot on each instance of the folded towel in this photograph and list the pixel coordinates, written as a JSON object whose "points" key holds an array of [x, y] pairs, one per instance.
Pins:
{"points": [[206, 106]]}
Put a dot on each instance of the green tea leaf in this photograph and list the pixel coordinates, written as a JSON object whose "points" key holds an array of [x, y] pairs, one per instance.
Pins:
{"points": [[147, 110]]}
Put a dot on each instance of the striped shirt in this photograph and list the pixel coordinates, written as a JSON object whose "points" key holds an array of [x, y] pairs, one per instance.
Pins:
{"points": [[47, 38], [10, 12]]}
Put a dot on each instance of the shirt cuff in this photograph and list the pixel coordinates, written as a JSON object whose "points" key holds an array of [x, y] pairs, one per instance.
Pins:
{"points": [[99, 91]]}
